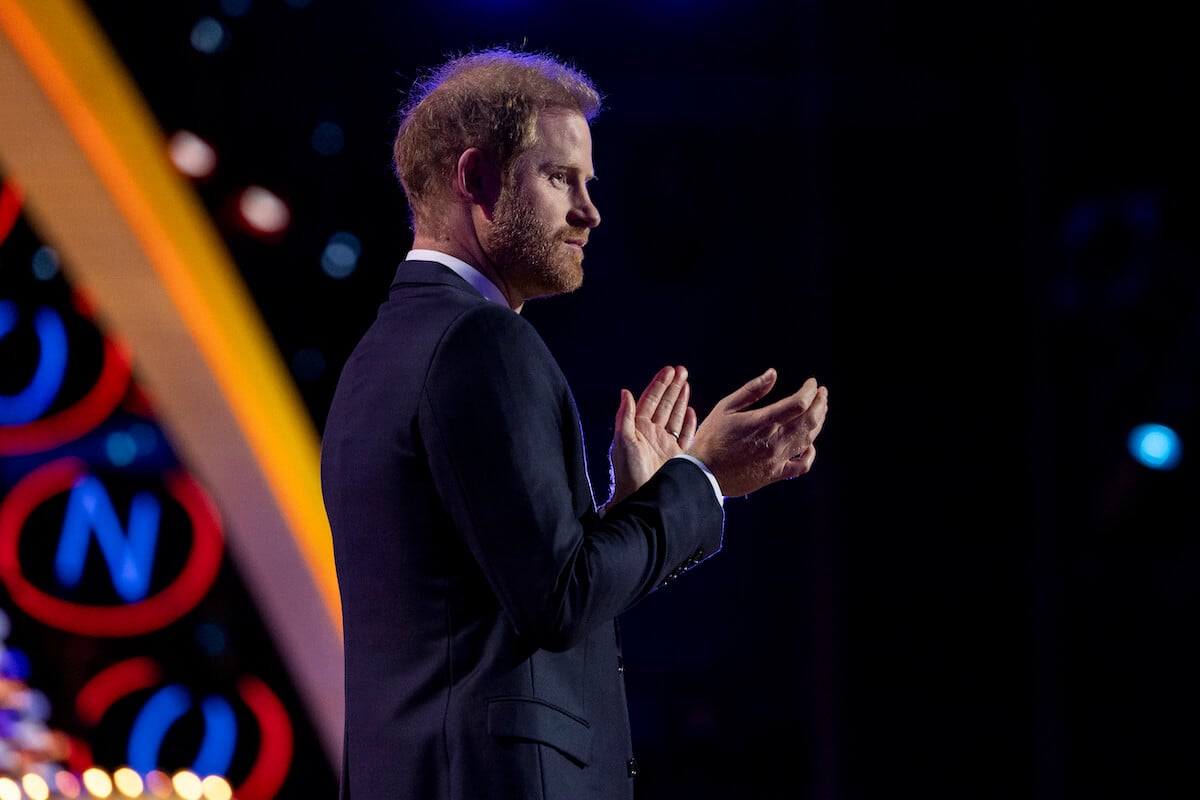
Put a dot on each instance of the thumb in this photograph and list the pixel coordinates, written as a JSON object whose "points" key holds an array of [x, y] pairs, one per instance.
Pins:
{"points": [[750, 392]]}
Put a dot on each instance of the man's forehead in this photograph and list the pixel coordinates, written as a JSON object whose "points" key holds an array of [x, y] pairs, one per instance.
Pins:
{"points": [[565, 128], [564, 137]]}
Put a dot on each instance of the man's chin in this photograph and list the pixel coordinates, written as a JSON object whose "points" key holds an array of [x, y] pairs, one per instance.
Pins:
{"points": [[574, 279], [562, 281]]}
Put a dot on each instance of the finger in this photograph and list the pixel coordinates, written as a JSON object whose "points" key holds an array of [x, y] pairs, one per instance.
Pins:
{"points": [[661, 415], [794, 405], [679, 406], [799, 464], [687, 432], [750, 392], [802, 432], [625, 423], [652, 395]]}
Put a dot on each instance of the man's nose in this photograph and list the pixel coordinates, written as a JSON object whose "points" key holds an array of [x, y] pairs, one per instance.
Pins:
{"points": [[584, 213]]}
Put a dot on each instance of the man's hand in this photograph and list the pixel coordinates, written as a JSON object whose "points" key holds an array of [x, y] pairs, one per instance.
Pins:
{"points": [[747, 449], [659, 426]]}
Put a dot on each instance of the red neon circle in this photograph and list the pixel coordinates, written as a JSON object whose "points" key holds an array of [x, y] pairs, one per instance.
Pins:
{"points": [[112, 683], [10, 208], [79, 418], [276, 738], [275, 741], [143, 616]]}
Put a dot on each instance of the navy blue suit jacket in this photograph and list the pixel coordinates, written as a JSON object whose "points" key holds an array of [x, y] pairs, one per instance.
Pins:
{"points": [[480, 588]]}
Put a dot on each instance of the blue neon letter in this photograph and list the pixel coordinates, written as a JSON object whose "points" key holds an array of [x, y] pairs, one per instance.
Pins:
{"points": [[35, 399], [162, 711], [130, 558]]}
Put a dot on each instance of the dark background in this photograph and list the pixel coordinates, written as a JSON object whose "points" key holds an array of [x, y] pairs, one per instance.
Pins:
{"points": [[975, 222]]}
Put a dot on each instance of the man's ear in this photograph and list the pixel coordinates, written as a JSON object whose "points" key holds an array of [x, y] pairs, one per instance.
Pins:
{"points": [[478, 179]]}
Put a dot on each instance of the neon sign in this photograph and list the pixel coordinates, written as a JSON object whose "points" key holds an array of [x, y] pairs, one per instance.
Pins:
{"points": [[35, 399], [167, 708], [130, 556], [10, 208], [29, 422], [129, 552]]}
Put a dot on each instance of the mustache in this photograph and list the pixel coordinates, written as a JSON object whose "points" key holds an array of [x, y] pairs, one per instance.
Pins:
{"points": [[574, 235]]}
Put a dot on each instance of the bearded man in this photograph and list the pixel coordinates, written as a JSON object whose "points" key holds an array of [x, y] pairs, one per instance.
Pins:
{"points": [[480, 582]]}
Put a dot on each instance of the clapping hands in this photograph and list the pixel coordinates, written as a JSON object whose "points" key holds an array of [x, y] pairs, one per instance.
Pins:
{"points": [[659, 426], [745, 448]]}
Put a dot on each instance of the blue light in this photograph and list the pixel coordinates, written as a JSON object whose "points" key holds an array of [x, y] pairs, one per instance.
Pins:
{"points": [[45, 263], [327, 138], [162, 711], [150, 728], [14, 664], [211, 638], [209, 36], [36, 398], [1155, 446], [130, 558], [1141, 211], [220, 737], [341, 255], [236, 8], [37, 705], [145, 437], [121, 448]]}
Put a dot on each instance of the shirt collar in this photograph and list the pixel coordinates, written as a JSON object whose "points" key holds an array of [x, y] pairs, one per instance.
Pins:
{"points": [[463, 270]]}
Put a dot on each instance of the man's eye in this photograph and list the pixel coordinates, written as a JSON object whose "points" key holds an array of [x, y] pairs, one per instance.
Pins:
{"points": [[558, 177]]}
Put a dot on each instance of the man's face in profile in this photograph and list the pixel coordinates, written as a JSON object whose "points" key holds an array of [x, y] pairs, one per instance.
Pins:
{"points": [[544, 213]]}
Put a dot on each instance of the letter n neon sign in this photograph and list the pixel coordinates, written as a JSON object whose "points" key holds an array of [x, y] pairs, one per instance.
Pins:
{"points": [[128, 550]]}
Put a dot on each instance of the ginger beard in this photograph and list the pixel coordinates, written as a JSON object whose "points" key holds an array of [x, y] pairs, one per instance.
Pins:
{"points": [[532, 257]]}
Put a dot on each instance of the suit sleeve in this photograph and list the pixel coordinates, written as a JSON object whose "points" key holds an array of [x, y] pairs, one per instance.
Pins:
{"points": [[503, 442]]}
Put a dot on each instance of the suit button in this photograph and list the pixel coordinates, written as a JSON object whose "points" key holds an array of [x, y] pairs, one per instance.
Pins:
{"points": [[620, 664], [631, 767]]}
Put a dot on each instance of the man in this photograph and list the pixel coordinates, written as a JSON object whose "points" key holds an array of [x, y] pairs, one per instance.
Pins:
{"points": [[480, 584]]}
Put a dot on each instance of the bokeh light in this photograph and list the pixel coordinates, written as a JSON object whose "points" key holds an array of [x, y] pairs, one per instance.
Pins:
{"points": [[211, 638], [121, 448], [340, 257], [67, 784], [35, 786], [45, 263], [187, 785], [216, 788], [236, 8], [14, 664], [191, 155], [1155, 446], [209, 36], [263, 211], [327, 138], [159, 783], [97, 781], [128, 782]]}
